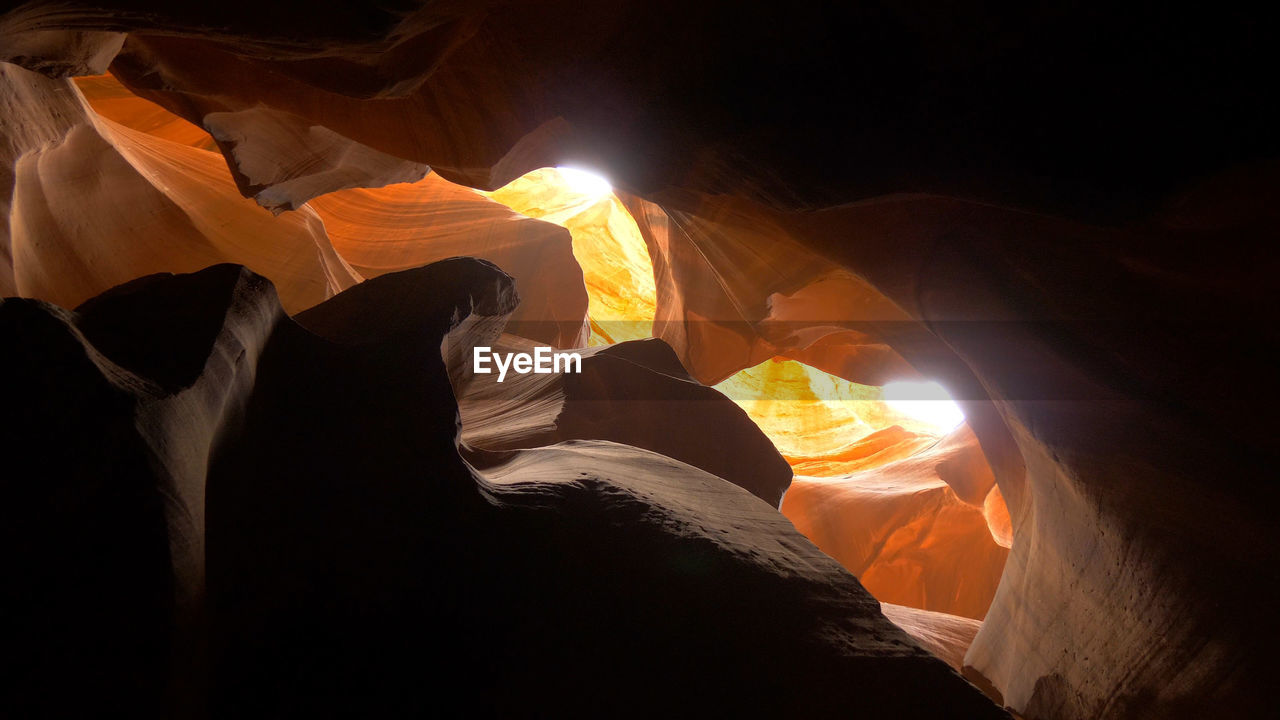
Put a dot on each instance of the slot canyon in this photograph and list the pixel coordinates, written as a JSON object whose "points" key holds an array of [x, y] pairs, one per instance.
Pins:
{"points": [[926, 371]]}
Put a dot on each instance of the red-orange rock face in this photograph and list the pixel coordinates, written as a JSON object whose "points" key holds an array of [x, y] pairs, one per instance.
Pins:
{"points": [[81, 184], [908, 528], [407, 225]]}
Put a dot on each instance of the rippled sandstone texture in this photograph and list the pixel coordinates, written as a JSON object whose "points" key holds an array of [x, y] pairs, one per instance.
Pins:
{"points": [[1092, 334], [81, 180], [911, 529], [92, 204], [319, 582]]}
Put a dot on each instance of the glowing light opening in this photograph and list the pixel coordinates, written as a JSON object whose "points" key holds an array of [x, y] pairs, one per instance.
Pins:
{"points": [[927, 402], [585, 182]]}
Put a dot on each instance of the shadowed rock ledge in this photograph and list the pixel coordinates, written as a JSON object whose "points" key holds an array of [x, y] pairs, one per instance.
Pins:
{"points": [[355, 562]]}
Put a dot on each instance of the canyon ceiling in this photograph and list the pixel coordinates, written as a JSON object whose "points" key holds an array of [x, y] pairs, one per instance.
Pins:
{"points": [[247, 249]]}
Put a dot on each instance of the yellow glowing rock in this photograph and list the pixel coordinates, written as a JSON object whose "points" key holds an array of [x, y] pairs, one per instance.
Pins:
{"points": [[734, 289], [608, 245], [381, 230], [818, 421], [878, 448]]}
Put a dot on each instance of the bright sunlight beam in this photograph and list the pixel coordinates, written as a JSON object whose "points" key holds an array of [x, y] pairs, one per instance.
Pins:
{"points": [[925, 401], [585, 181]]}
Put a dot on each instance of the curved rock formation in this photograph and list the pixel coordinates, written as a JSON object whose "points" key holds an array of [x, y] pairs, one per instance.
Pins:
{"points": [[113, 101], [282, 161], [83, 183], [635, 393], [408, 225], [946, 636], [1074, 416], [822, 424], [606, 243], [349, 552], [908, 528], [57, 53], [380, 229], [733, 292], [279, 160], [404, 125], [37, 112], [117, 408]]}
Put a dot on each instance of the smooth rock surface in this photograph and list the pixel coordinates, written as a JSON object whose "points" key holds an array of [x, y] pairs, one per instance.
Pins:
{"points": [[634, 393]]}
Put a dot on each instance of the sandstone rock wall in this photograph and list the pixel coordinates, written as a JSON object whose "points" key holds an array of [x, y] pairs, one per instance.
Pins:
{"points": [[1090, 332]]}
